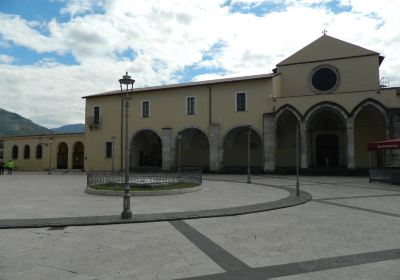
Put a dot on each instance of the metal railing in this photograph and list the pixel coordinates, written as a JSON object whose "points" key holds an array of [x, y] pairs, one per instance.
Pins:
{"points": [[145, 179]]}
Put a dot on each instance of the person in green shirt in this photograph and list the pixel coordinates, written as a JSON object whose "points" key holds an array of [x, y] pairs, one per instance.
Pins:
{"points": [[10, 166]]}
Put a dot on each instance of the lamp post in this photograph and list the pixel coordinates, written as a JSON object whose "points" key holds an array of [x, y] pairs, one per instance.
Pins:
{"points": [[112, 153], [50, 148], [297, 160], [179, 137], [125, 94], [248, 153]]}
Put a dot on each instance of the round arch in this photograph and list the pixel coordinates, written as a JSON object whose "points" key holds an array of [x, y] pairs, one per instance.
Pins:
{"points": [[285, 109], [78, 155], [371, 103], [325, 106], [286, 126], [327, 135], [146, 149], [62, 155], [370, 124], [236, 148], [193, 150]]}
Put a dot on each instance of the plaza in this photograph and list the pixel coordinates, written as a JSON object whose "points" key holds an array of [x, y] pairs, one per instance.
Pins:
{"points": [[349, 230]]}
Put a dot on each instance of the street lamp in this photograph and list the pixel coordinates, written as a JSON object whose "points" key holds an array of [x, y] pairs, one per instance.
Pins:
{"points": [[50, 147], [297, 160], [125, 94], [248, 152], [179, 137], [112, 153]]}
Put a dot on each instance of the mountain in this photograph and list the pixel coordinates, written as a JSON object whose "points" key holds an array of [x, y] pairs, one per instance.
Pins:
{"points": [[13, 124], [70, 128]]}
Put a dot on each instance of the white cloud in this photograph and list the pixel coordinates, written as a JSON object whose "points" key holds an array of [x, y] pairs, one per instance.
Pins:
{"points": [[168, 36], [79, 7], [7, 59], [19, 31]]}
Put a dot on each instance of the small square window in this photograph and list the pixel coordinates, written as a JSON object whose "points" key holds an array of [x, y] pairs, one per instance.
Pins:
{"points": [[240, 102], [191, 105]]}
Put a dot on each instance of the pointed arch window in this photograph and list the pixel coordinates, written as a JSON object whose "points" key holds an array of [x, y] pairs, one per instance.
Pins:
{"points": [[39, 151], [15, 152], [27, 152]]}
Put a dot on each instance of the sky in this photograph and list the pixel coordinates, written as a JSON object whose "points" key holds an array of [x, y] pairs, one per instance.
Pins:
{"points": [[53, 52]]}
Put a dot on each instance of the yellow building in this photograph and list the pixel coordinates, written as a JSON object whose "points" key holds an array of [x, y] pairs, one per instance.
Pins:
{"points": [[330, 89], [44, 152]]}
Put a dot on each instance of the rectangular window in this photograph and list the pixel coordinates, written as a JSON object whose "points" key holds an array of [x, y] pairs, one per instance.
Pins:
{"points": [[240, 102], [96, 115], [145, 109], [109, 149], [191, 105]]}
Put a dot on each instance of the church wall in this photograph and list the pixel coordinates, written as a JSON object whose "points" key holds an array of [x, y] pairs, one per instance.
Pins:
{"points": [[356, 74]]}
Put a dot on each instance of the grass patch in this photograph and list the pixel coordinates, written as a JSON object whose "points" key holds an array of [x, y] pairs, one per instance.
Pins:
{"points": [[139, 188]]}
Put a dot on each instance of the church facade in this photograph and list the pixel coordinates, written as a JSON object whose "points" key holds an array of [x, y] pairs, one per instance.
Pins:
{"points": [[329, 94]]}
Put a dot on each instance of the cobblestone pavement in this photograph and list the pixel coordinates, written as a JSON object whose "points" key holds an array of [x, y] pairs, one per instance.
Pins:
{"points": [[350, 230]]}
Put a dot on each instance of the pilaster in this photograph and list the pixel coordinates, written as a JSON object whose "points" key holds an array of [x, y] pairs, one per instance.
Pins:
{"points": [[215, 147], [269, 142], [168, 148], [350, 143]]}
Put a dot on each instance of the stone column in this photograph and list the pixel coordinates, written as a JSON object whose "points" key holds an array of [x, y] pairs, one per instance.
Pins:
{"points": [[350, 143], [168, 148], [269, 142], [303, 145], [215, 147]]}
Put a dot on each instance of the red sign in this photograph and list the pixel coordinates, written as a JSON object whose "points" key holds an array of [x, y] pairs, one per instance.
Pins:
{"points": [[384, 145]]}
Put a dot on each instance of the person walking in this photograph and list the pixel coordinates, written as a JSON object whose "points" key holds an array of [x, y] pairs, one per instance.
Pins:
{"points": [[2, 166], [10, 166]]}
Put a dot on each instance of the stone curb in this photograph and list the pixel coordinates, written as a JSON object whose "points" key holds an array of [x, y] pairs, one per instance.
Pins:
{"points": [[289, 201], [144, 193]]}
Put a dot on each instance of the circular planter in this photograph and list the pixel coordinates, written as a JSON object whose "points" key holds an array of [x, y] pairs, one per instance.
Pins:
{"points": [[144, 193]]}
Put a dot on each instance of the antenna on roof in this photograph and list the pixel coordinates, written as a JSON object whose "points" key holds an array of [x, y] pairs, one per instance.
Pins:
{"points": [[324, 31]]}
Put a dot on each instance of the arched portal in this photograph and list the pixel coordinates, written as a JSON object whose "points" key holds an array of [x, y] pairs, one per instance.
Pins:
{"points": [[146, 149], [286, 127], [78, 156], [193, 149], [62, 156], [327, 139], [236, 148], [369, 126]]}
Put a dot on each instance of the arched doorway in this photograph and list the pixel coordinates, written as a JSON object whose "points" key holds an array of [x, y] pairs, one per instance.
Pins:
{"points": [[327, 150], [78, 156], [369, 126], [146, 149], [286, 127], [194, 149], [62, 156], [236, 149], [327, 140]]}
